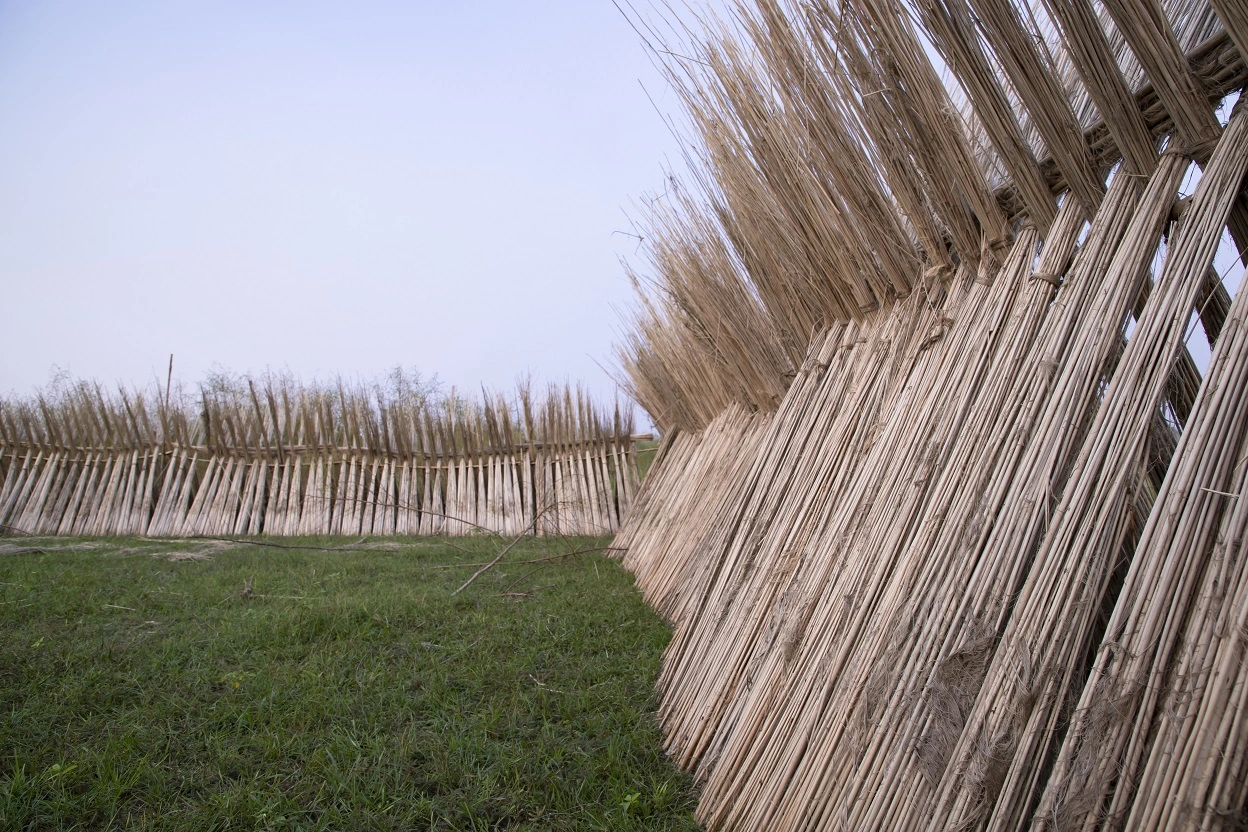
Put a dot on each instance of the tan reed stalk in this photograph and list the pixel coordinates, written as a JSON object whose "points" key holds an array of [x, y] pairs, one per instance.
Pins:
{"points": [[1234, 18], [1091, 54], [1164, 600], [795, 597], [1033, 76], [1059, 600], [949, 23], [1145, 26]]}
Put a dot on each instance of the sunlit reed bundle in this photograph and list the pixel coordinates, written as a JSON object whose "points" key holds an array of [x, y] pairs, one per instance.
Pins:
{"points": [[978, 566], [285, 459]]}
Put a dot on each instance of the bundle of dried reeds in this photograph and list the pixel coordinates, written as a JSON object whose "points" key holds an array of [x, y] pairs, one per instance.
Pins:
{"points": [[888, 601], [1174, 612], [285, 460], [834, 166], [679, 510]]}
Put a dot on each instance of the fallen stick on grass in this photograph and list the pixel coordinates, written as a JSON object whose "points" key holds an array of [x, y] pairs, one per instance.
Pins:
{"points": [[533, 525], [487, 567], [534, 560], [263, 543]]}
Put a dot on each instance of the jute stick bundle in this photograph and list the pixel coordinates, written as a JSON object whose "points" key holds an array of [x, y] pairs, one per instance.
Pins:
{"points": [[288, 461], [886, 603], [1168, 596]]}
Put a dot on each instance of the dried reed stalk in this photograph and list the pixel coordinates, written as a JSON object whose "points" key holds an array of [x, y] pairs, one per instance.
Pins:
{"points": [[306, 461], [886, 599]]}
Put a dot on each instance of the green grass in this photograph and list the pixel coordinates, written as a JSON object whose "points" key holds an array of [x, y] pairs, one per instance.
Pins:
{"points": [[647, 450], [351, 690]]}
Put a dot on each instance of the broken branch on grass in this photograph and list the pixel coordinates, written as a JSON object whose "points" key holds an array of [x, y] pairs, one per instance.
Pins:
{"points": [[487, 567], [400, 504], [525, 575], [534, 560], [543, 685], [525, 594], [262, 543], [532, 525]]}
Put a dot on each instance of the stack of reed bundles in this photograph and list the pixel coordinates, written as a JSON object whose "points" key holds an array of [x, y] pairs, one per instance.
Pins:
{"points": [[980, 564], [290, 460], [678, 508]]}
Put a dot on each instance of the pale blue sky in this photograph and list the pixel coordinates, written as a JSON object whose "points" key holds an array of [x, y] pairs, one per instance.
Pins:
{"points": [[324, 187]]}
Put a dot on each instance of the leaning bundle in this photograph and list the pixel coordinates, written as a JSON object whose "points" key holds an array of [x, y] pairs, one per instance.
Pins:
{"points": [[1175, 612], [684, 512], [919, 602]]}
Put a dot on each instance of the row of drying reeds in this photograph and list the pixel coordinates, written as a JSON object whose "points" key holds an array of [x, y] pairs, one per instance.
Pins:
{"points": [[285, 460], [908, 592], [835, 171]]}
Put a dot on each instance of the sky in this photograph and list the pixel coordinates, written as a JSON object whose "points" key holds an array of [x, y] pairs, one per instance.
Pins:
{"points": [[320, 188]]}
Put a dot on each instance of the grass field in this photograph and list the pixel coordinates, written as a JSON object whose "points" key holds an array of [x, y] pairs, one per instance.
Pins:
{"points": [[212, 686]]}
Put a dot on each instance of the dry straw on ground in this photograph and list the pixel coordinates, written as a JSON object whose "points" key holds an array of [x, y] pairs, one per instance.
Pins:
{"points": [[946, 518]]}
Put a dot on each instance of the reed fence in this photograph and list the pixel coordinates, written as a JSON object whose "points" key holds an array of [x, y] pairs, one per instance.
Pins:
{"points": [[948, 520], [290, 461]]}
